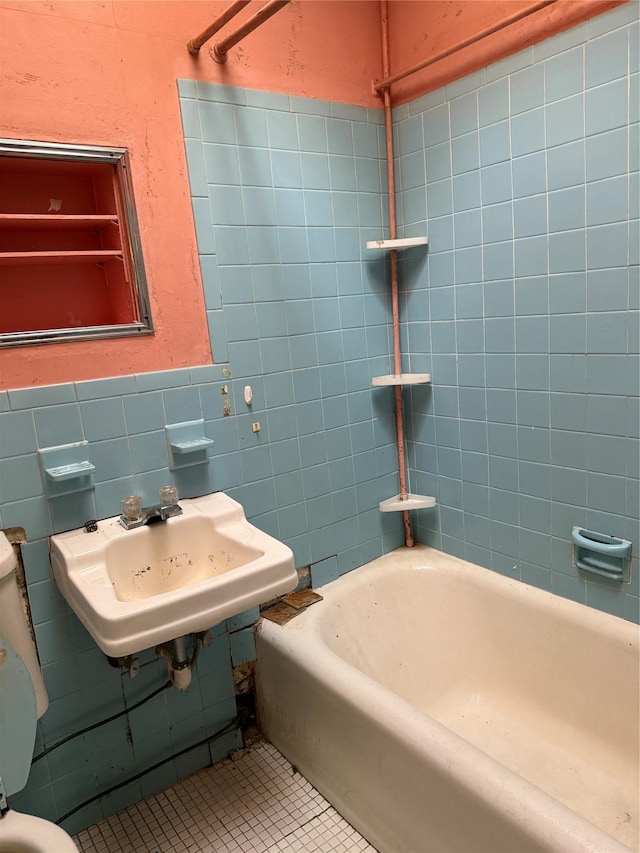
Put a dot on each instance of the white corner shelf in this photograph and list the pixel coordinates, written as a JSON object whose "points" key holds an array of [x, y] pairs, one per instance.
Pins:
{"points": [[401, 379], [399, 504], [403, 243]]}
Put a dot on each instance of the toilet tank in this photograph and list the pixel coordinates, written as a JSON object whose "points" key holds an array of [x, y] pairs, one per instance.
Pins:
{"points": [[17, 723], [14, 625]]}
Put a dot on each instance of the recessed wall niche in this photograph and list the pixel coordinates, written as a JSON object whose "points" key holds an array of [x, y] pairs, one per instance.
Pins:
{"points": [[71, 264]]}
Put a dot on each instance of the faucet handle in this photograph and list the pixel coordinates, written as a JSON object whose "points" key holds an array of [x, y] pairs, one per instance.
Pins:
{"points": [[168, 495], [131, 508]]}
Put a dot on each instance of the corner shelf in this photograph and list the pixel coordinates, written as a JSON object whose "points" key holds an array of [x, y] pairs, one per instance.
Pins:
{"points": [[401, 379], [399, 504], [402, 243], [409, 501]]}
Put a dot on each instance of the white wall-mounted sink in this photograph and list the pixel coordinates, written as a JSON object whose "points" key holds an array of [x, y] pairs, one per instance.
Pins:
{"points": [[134, 589]]}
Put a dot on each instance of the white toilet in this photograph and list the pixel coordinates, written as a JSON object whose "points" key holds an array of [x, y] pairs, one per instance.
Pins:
{"points": [[23, 699]]}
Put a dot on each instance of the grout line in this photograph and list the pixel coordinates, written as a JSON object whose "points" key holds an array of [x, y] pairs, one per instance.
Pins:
{"points": [[310, 820]]}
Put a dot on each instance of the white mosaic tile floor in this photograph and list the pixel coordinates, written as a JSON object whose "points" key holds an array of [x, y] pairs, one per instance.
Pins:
{"points": [[254, 804]]}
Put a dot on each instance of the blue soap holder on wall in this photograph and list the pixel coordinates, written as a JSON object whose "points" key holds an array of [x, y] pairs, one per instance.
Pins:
{"points": [[187, 444], [66, 469], [601, 554]]}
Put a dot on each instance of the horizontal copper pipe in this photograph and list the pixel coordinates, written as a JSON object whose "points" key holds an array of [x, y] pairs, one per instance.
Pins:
{"points": [[220, 49], [195, 44], [379, 87]]}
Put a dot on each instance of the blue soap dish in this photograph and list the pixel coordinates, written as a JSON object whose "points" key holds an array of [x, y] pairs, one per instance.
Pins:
{"points": [[601, 554]]}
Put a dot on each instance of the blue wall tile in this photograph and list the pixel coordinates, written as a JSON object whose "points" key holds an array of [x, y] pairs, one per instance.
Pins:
{"points": [[216, 123], [526, 89], [282, 130], [495, 143], [564, 74], [606, 58], [607, 107], [56, 425], [527, 132], [221, 166], [102, 419], [47, 395], [607, 201], [493, 102], [566, 165], [565, 120]]}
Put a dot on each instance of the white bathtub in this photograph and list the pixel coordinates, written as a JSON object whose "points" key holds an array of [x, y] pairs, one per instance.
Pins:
{"points": [[441, 707]]}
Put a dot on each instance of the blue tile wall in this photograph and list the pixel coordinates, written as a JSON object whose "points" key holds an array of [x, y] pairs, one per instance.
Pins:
{"points": [[531, 422], [290, 191]]}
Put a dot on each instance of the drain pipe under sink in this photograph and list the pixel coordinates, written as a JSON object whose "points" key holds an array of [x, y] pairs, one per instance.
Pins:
{"points": [[179, 664]]}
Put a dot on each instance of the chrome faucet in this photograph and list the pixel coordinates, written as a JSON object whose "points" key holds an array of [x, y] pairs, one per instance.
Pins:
{"points": [[135, 515]]}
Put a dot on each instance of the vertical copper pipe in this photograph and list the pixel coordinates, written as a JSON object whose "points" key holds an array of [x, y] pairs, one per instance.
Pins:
{"points": [[195, 44], [395, 309], [220, 49]]}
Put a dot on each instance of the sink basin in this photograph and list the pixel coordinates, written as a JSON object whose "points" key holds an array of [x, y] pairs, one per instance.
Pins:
{"points": [[134, 589]]}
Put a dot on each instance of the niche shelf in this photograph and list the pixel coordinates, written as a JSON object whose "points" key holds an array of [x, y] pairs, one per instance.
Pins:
{"points": [[401, 243], [69, 246], [54, 222], [98, 256]]}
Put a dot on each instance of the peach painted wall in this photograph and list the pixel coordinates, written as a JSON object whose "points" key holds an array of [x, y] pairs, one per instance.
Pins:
{"points": [[420, 30], [103, 73]]}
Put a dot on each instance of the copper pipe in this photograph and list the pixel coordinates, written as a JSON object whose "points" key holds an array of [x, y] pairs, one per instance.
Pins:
{"points": [[195, 44], [395, 310], [512, 19], [220, 49]]}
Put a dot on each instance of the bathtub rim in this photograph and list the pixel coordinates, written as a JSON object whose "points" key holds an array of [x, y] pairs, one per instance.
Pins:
{"points": [[608, 623]]}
